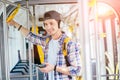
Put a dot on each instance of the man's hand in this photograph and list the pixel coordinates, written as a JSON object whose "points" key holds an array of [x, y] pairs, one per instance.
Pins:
{"points": [[12, 23], [48, 68]]}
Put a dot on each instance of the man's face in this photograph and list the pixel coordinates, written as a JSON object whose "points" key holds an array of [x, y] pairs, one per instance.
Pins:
{"points": [[51, 26]]}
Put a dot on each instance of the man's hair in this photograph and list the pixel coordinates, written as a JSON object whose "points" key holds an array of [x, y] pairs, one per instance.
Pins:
{"points": [[53, 15]]}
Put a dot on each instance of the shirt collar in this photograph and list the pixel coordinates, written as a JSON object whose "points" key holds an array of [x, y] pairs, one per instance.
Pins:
{"points": [[62, 38]]}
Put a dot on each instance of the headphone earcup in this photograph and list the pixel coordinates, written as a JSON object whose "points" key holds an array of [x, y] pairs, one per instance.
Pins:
{"points": [[61, 24]]}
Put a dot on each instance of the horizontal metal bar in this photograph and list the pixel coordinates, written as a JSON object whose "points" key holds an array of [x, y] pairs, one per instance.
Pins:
{"points": [[44, 2], [21, 76], [108, 75]]}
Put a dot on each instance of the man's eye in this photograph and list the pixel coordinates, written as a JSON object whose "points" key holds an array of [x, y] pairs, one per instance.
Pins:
{"points": [[51, 23], [45, 24]]}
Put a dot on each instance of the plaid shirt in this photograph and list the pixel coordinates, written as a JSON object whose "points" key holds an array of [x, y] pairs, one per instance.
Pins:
{"points": [[73, 55]]}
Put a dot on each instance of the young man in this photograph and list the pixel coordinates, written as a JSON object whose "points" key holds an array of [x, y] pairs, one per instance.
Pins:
{"points": [[56, 67]]}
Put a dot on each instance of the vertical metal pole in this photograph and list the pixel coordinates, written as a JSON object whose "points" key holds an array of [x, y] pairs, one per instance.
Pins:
{"points": [[30, 56], [97, 49], [5, 68], [37, 73], [34, 25], [119, 57], [85, 40]]}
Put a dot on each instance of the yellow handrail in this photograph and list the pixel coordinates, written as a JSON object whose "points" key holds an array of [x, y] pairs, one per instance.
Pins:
{"points": [[13, 14]]}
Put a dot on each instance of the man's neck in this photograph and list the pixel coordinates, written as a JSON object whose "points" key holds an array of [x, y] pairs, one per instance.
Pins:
{"points": [[57, 35]]}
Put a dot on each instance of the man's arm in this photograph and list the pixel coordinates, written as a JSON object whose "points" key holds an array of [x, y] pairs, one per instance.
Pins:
{"points": [[22, 29], [50, 67], [63, 70]]}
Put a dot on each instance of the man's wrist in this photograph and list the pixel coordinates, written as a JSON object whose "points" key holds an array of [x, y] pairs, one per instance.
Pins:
{"points": [[17, 25]]}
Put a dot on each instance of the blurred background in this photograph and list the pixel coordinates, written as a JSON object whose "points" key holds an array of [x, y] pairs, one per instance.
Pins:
{"points": [[93, 24]]}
